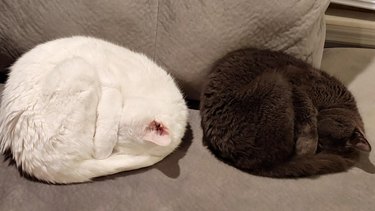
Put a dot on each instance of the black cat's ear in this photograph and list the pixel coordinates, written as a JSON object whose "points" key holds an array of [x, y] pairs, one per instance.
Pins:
{"points": [[359, 141]]}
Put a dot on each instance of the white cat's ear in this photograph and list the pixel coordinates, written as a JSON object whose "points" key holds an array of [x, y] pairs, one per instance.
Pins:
{"points": [[157, 133]]}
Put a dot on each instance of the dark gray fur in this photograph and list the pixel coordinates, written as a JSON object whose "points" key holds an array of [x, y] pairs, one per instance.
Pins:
{"points": [[270, 114]]}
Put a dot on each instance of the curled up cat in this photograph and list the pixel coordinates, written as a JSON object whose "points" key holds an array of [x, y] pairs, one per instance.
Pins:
{"points": [[80, 107], [270, 114]]}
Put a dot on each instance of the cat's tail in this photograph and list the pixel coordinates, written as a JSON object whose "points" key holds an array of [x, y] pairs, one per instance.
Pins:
{"points": [[86, 170], [308, 165]]}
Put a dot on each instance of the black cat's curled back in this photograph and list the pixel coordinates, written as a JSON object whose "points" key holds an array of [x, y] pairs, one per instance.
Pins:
{"points": [[270, 114]]}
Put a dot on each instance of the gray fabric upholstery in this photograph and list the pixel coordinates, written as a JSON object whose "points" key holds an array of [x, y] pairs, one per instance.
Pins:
{"points": [[192, 179], [193, 34], [185, 37]]}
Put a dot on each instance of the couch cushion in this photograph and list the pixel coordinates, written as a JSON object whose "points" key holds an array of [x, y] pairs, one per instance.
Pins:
{"points": [[192, 179], [186, 37]]}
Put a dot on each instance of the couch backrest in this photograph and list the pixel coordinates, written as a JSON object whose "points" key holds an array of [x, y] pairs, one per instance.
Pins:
{"points": [[184, 36]]}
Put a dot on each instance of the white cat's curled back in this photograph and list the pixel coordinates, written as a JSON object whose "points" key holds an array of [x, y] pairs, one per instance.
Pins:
{"points": [[78, 108]]}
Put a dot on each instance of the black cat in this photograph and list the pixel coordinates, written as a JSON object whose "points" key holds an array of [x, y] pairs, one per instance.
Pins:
{"points": [[270, 114]]}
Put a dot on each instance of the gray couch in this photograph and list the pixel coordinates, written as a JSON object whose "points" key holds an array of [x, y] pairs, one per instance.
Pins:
{"points": [[186, 37]]}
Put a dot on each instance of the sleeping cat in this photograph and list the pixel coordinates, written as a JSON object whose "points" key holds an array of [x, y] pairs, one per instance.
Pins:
{"points": [[270, 114], [78, 108]]}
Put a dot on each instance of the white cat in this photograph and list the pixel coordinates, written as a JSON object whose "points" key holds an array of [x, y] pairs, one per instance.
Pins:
{"points": [[78, 108]]}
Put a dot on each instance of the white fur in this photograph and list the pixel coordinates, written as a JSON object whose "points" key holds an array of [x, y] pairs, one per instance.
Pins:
{"points": [[78, 108]]}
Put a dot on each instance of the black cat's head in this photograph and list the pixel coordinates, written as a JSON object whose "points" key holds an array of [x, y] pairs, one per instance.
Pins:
{"points": [[341, 129]]}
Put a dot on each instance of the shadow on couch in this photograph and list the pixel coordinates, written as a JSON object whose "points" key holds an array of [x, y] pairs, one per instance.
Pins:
{"points": [[365, 163]]}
